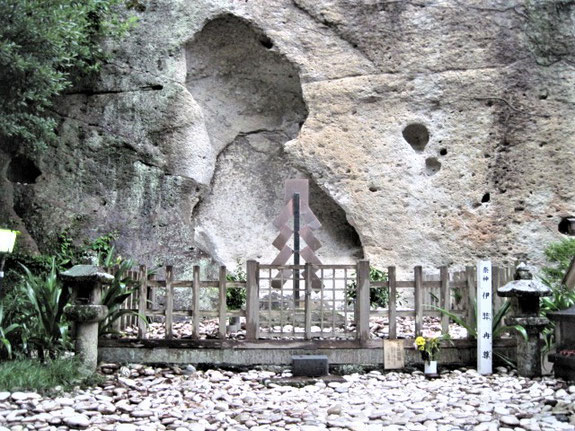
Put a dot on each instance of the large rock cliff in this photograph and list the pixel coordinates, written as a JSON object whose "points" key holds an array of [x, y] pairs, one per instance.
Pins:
{"points": [[433, 132]]}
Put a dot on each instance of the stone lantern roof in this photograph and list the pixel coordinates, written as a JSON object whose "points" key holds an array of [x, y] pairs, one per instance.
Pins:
{"points": [[524, 285], [81, 273]]}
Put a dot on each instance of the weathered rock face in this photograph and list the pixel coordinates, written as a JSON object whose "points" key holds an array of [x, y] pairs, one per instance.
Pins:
{"points": [[432, 134]]}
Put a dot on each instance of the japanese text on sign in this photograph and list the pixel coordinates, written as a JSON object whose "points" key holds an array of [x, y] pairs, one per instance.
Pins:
{"points": [[484, 318]]}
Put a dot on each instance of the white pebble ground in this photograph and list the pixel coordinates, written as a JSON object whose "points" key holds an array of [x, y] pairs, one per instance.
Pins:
{"points": [[145, 398]]}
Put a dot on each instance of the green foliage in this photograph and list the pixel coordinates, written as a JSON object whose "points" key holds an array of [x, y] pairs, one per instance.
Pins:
{"points": [[236, 296], [116, 293], [559, 255], [45, 328], [31, 375], [378, 296], [35, 299], [104, 248], [42, 43], [64, 250], [498, 328], [5, 343], [429, 346]]}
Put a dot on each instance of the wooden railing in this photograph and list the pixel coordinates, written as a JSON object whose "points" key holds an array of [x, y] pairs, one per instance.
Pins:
{"points": [[424, 293]]}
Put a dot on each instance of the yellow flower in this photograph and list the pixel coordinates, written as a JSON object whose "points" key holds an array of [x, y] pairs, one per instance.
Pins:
{"points": [[420, 341]]}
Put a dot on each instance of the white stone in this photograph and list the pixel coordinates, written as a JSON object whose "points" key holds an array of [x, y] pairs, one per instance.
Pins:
{"points": [[25, 396], [77, 421], [509, 420]]}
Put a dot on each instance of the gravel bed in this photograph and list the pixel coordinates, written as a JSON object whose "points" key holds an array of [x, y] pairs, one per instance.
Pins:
{"points": [[379, 328], [137, 397]]}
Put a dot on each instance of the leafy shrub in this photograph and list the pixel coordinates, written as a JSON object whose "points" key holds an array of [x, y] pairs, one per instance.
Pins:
{"points": [[559, 255], [43, 45], [378, 296], [236, 296]]}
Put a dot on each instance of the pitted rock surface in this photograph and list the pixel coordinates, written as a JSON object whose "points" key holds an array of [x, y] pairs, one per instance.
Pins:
{"points": [[438, 131]]}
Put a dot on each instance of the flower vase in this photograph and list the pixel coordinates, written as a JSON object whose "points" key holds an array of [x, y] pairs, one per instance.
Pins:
{"points": [[430, 367]]}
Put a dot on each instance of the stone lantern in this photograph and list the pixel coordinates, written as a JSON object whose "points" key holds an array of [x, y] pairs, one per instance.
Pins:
{"points": [[7, 241], [564, 358], [85, 283], [525, 294]]}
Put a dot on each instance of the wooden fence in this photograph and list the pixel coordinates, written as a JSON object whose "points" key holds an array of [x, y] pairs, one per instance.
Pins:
{"points": [[336, 307]]}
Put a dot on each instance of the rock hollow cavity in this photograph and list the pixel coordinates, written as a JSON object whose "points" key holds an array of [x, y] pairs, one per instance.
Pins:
{"points": [[253, 104]]}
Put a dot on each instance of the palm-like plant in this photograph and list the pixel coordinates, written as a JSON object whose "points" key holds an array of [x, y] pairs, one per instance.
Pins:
{"points": [[498, 328], [46, 328], [115, 294]]}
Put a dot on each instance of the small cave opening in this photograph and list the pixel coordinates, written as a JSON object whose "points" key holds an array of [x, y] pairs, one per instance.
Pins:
{"points": [[416, 135], [22, 170], [567, 225], [432, 166], [443, 152], [486, 198], [266, 42]]}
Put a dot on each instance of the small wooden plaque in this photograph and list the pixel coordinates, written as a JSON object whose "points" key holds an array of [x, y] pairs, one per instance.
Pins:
{"points": [[393, 354]]}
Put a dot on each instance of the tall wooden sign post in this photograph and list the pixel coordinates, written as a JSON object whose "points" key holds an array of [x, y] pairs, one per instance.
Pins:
{"points": [[484, 318]]}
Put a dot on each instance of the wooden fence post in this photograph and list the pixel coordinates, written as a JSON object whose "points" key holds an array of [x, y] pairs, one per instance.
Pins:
{"points": [[222, 302], [471, 294], [495, 275], [252, 301], [142, 301], [169, 302], [362, 300], [392, 306], [308, 275], [196, 303], [444, 298], [418, 299]]}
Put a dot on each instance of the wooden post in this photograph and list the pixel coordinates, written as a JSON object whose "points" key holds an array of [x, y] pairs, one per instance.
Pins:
{"points": [[362, 300], [196, 303], [497, 275], [142, 304], [252, 301], [169, 302], [392, 306], [445, 299], [418, 296], [471, 301], [308, 274], [222, 302]]}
